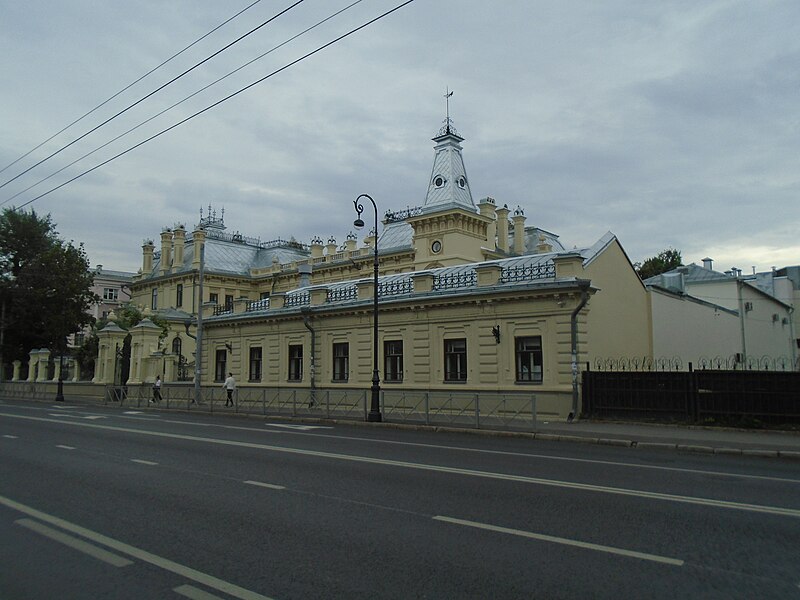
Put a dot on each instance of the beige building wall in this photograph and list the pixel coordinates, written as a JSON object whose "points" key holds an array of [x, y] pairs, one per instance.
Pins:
{"points": [[619, 322]]}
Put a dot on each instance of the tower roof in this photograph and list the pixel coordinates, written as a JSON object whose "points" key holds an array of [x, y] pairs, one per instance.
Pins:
{"points": [[448, 186]]}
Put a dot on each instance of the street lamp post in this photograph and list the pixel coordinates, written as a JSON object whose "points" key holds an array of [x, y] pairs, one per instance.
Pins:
{"points": [[374, 415]]}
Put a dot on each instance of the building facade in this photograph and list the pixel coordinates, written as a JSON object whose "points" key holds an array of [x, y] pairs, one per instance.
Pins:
{"points": [[471, 299]]}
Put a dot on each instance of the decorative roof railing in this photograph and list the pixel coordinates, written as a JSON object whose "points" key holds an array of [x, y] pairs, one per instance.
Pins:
{"points": [[223, 309], [402, 215], [216, 234], [342, 294], [395, 288], [455, 280], [257, 305], [528, 272], [299, 299]]}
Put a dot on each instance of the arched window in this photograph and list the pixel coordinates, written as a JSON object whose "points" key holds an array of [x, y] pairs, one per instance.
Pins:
{"points": [[176, 346]]}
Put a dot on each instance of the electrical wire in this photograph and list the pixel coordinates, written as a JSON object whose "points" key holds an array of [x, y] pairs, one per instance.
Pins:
{"points": [[158, 89], [217, 103], [202, 89], [130, 85]]}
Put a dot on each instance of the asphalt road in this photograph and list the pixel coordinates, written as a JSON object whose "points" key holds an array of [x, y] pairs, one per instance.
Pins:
{"points": [[108, 503]]}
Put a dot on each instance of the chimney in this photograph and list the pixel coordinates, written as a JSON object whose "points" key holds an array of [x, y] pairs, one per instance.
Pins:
{"points": [[351, 243], [304, 270], [147, 257], [330, 247], [489, 209], [519, 231], [707, 263], [166, 251], [502, 228], [198, 240], [543, 247], [179, 242], [316, 247]]}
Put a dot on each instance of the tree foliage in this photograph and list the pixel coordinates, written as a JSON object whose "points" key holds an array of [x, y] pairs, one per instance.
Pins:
{"points": [[661, 263], [45, 285]]}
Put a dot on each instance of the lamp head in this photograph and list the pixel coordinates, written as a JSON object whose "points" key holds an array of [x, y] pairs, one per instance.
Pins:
{"points": [[358, 223]]}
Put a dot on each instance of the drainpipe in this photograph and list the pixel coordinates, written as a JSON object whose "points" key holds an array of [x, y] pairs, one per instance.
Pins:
{"points": [[739, 285], [306, 311], [574, 344]]}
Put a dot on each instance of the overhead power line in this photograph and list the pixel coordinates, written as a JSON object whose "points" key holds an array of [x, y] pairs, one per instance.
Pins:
{"points": [[155, 91], [218, 102], [189, 97], [130, 85]]}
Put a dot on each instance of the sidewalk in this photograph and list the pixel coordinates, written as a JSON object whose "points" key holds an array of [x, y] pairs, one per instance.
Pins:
{"points": [[689, 438]]}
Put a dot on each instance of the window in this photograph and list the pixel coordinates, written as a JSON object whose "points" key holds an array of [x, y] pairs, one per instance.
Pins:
{"points": [[220, 365], [229, 301], [295, 363], [393, 360], [177, 346], [455, 360], [154, 299], [341, 361], [179, 296], [529, 358], [213, 298], [264, 296], [111, 294], [255, 364], [79, 339]]}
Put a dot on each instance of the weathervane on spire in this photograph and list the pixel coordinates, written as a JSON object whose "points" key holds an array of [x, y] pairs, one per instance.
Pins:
{"points": [[448, 128]]}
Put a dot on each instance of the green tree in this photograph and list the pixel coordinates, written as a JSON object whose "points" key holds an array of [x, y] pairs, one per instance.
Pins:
{"points": [[661, 263], [45, 285]]}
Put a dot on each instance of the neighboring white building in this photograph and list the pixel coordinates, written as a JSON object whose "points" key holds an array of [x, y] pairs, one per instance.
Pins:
{"points": [[699, 313], [113, 290]]}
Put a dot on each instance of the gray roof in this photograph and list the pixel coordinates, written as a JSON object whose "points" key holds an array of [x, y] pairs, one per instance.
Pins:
{"points": [[448, 186]]}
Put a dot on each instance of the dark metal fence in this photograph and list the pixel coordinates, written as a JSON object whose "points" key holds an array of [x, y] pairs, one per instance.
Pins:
{"points": [[740, 396]]}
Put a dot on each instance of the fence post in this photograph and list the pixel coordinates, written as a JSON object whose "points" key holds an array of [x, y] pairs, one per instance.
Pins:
{"points": [[692, 394], [477, 412], [327, 404], [533, 411], [427, 408]]}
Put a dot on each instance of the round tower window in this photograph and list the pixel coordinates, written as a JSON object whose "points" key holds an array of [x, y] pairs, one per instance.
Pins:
{"points": [[462, 182], [438, 181], [436, 247]]}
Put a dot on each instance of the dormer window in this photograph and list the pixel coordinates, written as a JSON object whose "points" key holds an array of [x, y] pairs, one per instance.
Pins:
{"points": [[439, 181]]}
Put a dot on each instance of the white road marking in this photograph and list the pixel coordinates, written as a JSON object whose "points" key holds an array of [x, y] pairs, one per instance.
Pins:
{"points": [[61, 407], [11, 437], [88, 417], [85, 547], [194, 593], [65, 447], [271, 486], [144, 462], [773, 510], [297, 427], [564, 541], [132, 412], [197, 576]]}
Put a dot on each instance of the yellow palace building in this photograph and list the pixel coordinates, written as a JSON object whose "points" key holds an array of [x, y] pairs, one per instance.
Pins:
{"points": [[471, 299]]}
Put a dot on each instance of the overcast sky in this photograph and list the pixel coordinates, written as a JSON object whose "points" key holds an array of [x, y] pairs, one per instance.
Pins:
{"points": [[669, 123]]}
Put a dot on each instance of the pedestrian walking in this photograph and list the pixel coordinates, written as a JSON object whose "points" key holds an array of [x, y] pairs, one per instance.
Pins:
{"points": [[156, 390], [229, 386]]}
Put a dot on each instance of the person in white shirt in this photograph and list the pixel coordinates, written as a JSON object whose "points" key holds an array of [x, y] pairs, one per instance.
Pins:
{"points": [[229, 386], [156, 390]]}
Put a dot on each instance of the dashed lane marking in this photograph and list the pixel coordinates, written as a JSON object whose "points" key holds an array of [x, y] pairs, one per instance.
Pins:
{"points": [[63, 447], [564, 541], [144, 462], [271, 486], [73, 542], [11, 437]]}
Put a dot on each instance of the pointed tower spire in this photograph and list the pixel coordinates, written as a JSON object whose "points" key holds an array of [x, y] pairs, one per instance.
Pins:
{"points": [[448, 186]]}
